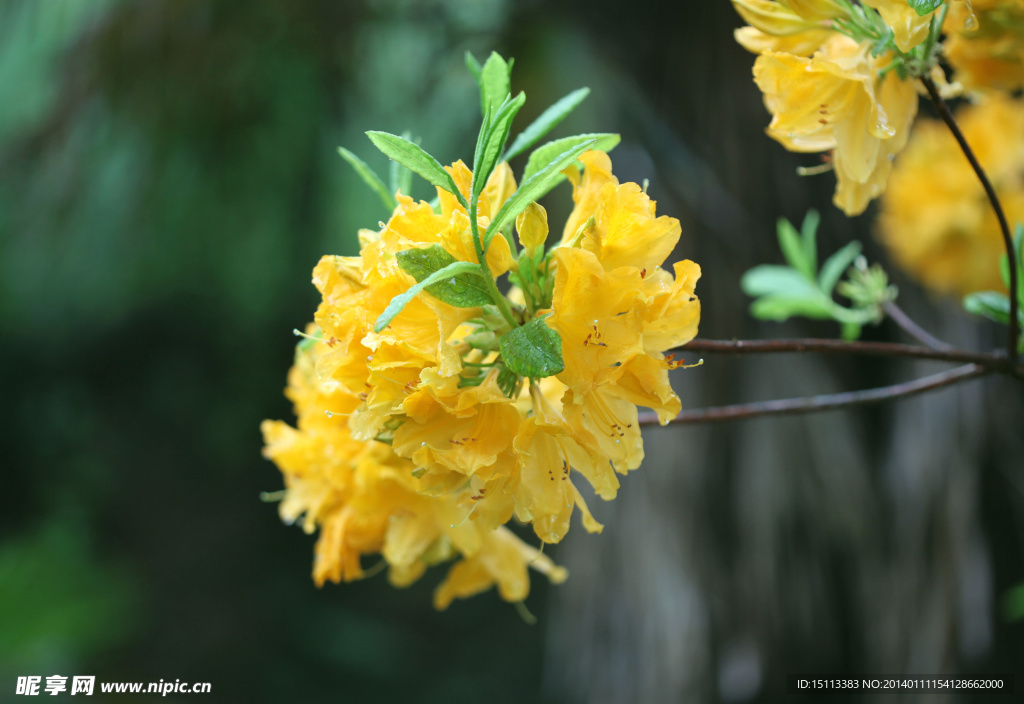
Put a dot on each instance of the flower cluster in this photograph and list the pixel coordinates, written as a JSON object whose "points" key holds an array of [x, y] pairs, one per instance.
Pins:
{"points": [[839, 77], [935, 218], [831, 87], [423, 432]]}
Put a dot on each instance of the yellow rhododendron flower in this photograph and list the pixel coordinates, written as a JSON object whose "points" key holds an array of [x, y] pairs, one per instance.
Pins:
{"points": [[436, 439], [935, 219], [836, 101], [364, 499], [799, 27], [985, 44]]}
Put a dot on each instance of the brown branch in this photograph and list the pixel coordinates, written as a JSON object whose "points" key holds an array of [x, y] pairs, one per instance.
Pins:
{"points": [[993, 361], [826, 402], [1004, 226], [913, 329]]}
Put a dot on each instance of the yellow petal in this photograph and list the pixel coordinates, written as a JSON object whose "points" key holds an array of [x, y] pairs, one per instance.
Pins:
{"points": [[772, 17]]}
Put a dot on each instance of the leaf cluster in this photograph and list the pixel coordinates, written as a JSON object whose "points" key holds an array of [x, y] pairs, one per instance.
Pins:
{"points": [[527, 347], [799, 288]]}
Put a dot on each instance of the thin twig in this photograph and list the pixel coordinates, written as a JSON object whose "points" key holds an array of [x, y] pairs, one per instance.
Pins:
{"points": [[912, 328], [994, 361], [1004, 226], [825, 402]]}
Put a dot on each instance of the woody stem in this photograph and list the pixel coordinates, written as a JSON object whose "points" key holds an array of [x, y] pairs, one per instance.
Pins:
{"points": [[1004, 226], [826, 402]]}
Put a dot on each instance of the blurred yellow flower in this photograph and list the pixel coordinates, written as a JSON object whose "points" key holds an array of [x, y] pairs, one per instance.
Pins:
{"points": [[935, 219], [985, 44], [836, 101]]}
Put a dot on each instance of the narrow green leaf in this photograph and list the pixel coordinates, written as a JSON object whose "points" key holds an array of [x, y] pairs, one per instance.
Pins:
{"points": [[923, 7], [412, 157], [533, 350], [481, 140], [399, 302], [474, 67], [466, 290], [809, 234], [494, 143], [547, 121], [399, 177], [494, 82], [370, 178], [989, 304], [834, 267], [793, 249], [543, 155], [533, 188]]}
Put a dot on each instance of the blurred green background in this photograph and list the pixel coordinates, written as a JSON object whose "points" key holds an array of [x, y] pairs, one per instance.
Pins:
{"points": [[168, 179]]}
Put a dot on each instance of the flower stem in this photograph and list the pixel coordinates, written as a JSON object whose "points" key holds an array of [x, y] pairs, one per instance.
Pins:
{"points": [[826, 402], [481, 256], [1004, 226], [913, 329]]}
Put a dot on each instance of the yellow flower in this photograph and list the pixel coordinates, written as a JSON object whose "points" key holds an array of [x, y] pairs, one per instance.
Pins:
{"points": [[433, 443], [364, 499], [985, 44], [909, 28], [548, 451], [935, 219], [502, 561], [794, 26], [834, 100], [616, 311]]}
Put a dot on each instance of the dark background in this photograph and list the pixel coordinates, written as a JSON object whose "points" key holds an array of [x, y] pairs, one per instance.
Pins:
{"points": [[168, 179]]}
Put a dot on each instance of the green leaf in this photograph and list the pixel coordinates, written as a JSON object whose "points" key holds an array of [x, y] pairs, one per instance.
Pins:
{"points": [[768, 280], [399, 177], [834, 267], [494, 143], [412, 157], [399, 302], [370, 178], [793, 248], [474, 67], [923, 7], [533, 350], [466, 290], [989, 304], [533, 188], [494, 82], [547, 121], [781, 307], [809, 234], [543, 155]]}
